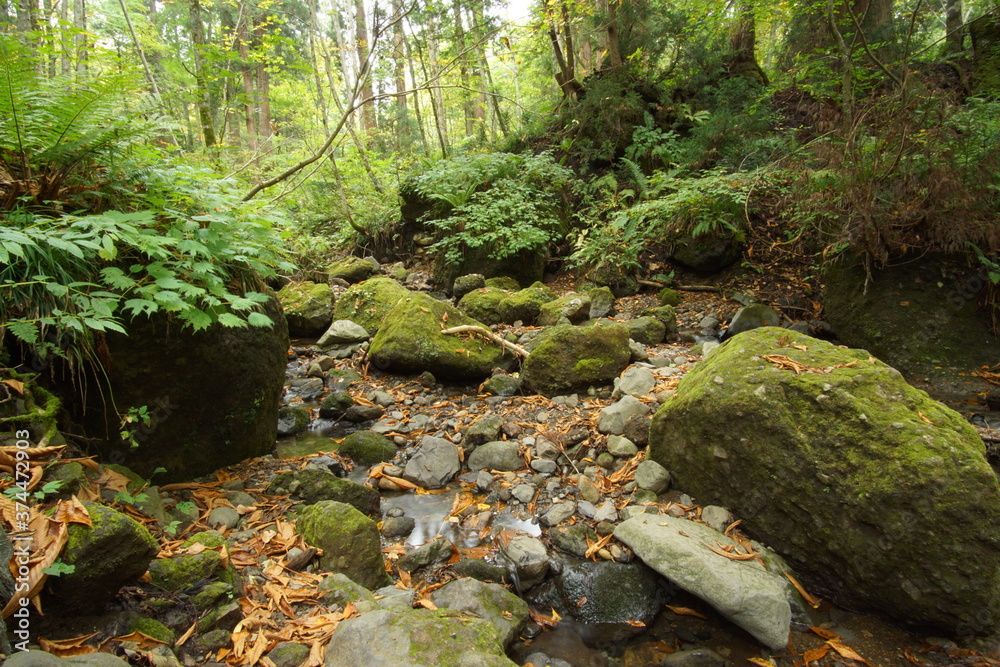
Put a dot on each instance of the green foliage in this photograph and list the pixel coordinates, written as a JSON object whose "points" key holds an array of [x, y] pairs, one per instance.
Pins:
{"points": [[58, 133], [48, 489], [59, 568], [133, 419], [507, 203]]}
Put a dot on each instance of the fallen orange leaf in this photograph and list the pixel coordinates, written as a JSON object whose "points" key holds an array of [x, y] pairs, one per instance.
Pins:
{"points": [[143, 640], [824, 633], [687, 611], [816, 654], [846, 651]]}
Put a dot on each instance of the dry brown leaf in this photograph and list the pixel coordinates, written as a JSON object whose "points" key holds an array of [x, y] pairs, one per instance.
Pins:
{"points": [[187, 634], [760, 662], [924, 418], [73, 511], [687, 611], [16, 385], [67, 648], [846, 651], [824, 633], [425, 603], [816, 654], [729, 555], [811, 600]]}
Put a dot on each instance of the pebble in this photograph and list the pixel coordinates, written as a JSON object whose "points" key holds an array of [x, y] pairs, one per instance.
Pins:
{"points": [[223, 517], [524, 492]]}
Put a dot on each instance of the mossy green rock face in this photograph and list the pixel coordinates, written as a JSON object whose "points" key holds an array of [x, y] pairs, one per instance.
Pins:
{"points": [[664, 314], [178, 573], [483, 304], [668, 297], [503, 282], [214, 402], [418, 638], [903, 317], [646, 330], [308, 307], [369, 302], [115, 551], [576, 357], [569, 309], [367, 448], [349, 540], [526, 304], [313, 485], [351, 269], [843, 470], [411, 341]]}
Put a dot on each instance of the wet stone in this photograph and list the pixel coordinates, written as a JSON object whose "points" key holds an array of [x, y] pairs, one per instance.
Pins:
{"points": [[651, 475], [621, 447], [558, 513]]}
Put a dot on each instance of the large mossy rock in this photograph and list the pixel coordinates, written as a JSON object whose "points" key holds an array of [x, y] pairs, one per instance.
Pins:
{"points": [[418, 638], [918, 316], [352, 269], [308, 307], [213, 395], [194, 564], [839, 465], [526, 304], [708, 253], [312, 485], [570, 358], [369, 302], [410, 341], [349, 540], [484, 304], [114, 551]]}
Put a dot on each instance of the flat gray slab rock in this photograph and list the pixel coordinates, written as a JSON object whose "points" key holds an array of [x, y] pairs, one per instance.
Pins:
{"points": [[433, 464], [742, 591]]}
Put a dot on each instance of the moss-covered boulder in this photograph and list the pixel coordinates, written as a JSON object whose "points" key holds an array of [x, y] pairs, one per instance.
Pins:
{"points": [[526, 304], [571, 308], [830, 458], [646, 330], [465, 284], [416, 637], [665, 314], [214, 401], [483, 305], [313, 485], [411, 341], [504, 282], [524, 267], [308, 307], [570, 358], [367, 448], [918, 316], [114, 551], [349, 540], [292, 419], [708, 253], [204, 560], [369, 302], [668, 297], [351, 269]]}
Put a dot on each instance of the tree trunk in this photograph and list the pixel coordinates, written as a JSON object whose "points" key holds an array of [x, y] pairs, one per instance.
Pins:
{"points": [[463, 70], [65, 50], [201, 82], [80, 23], [566, 76], [418, 113], [954, 27], [743, 42], [246, 71], [314, 34], [985, 34], [364, 68], [437, 99], [264, 128], [402, 124]]}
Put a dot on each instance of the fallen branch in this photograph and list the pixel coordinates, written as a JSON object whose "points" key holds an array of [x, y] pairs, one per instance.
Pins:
{"points": [[698, 288], [471, 328]]}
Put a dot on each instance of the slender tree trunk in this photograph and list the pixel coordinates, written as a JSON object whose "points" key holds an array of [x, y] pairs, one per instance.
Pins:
{"points": [[954, 27], [65, 49], [249, 98], [263, 102], [614, 49], [463, 70], [416, 105], [80, 23], [565, 60], [437, 101], [201, 82], [402, 125], [142, 54], [364, 67]]}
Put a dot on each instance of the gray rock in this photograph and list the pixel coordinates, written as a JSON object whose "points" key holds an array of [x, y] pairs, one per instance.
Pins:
{"points": [[653, 476], [646, 330], [313, 485], [602, 302], [638, 351], [483, 480], [742, 591], [367, 448], [223, 517], [433, 464], [292, 419], [397, 526], [558, 513], [588, 490], [342, 332], [529, 558], [288, 654], [586, 509], [606, 512], [752, 317], [539, 658], [36, 658], [612, 418], [394, 598], [497, 455], [418, 638], [238, 498], [799, 327], [717, 517], [610, 592], [635, 381], [484, 429], [363, 413], [501, 385], [621, 447], [569, 309], [492, 602], [434, 552], [381, 398], [544, 466]]}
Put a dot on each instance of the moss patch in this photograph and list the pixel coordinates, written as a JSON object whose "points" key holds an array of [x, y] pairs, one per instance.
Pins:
{"points": [[571, 357], [369, 302]]}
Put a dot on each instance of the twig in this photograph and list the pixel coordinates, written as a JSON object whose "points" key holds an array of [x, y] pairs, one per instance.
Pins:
{"points": [[517, 349]]}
